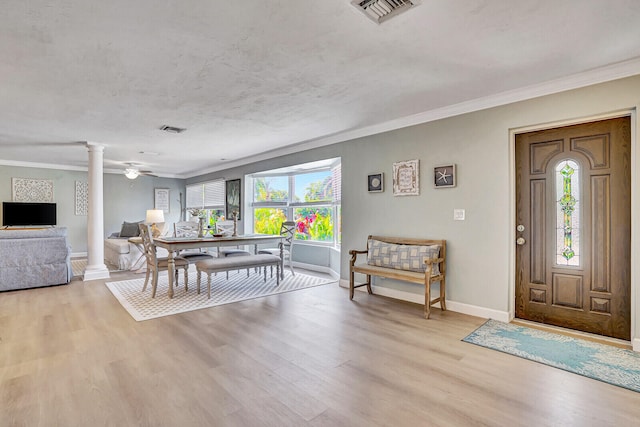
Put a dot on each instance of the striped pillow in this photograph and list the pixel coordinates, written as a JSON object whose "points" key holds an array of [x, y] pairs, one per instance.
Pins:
{"points": [[402, 257]]}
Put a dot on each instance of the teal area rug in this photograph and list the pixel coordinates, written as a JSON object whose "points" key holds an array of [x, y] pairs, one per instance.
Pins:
{"points": [[602, 362]]}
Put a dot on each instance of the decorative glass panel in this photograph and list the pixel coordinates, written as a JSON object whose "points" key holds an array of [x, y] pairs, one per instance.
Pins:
{"points": [[568, 213]]}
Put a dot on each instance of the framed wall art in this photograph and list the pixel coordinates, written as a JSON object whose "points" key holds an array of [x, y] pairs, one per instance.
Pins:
{"points": [[375, 183], [406, 178], [31, 190], [444, 176], [82, 198], [232, 192], [161, 199]]}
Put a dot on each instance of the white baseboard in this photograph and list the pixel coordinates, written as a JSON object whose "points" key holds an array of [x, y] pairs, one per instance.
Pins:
{"points": [[318, 268], [474, 310], [96, 272], [79, 254], [458, 307], [636, 344]]}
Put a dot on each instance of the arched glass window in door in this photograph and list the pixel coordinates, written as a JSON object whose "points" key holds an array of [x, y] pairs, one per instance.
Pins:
{"points": [[568, 213]]}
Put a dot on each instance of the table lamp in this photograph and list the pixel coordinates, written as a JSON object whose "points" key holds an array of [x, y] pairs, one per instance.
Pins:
{"points": [[155, 216]]}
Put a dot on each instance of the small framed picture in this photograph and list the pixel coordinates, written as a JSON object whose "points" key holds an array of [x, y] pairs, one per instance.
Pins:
{"points": [[375, 183], [444, 176], [161, 199], [406, 178], [232, 191]]}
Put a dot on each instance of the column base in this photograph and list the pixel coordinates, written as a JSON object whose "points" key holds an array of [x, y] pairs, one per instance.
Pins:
{"points": [[96, 272]]}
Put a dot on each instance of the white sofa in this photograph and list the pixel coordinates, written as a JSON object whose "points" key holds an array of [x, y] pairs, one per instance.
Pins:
{"points": [[121, 254]]}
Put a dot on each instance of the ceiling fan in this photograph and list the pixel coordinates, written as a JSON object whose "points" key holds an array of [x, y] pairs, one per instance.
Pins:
{"points": [[133, 171]]}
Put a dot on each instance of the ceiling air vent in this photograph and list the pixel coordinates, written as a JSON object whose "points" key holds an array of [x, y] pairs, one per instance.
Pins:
{"points": [[381, 10], [172, 129]]}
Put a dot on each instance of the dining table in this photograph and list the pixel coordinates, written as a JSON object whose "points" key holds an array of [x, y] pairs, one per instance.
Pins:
{"points": [[175, 244]]}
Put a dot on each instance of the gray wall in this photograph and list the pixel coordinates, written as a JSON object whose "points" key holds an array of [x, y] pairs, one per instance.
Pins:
{"points": [[479, 144], [128, 200], [124, 199], [63, 196]]}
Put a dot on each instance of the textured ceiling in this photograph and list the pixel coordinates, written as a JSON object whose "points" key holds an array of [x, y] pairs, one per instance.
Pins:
{"points": [[255, 76]]}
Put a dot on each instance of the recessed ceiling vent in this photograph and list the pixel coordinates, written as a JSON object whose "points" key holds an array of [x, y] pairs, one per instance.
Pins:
{"points": [[172, 129], [381, 10]]}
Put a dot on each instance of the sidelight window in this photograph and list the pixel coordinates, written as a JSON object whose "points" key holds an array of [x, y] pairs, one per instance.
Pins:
{"points": [[568, 213]]}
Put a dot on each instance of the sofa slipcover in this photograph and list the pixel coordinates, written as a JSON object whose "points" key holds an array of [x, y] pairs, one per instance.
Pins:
{"points": [[31, 258]]}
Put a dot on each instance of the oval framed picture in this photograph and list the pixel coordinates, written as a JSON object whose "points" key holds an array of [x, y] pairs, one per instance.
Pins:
{"points": [[375, 183]]}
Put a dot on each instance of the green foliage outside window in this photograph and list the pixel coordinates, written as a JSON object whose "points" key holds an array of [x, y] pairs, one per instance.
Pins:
{"points": [[314, 224], [265, 192], [268, 220]]}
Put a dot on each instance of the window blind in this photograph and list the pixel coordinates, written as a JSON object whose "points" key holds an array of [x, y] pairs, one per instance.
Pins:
{"points": [[206, 195], [336, 182]]}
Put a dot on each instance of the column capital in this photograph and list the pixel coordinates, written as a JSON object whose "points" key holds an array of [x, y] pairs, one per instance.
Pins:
{"points": [[94, 146]]}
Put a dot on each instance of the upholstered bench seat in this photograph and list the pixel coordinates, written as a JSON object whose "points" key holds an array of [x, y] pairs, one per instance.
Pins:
{"points": [[412, 260], [217, 265]]}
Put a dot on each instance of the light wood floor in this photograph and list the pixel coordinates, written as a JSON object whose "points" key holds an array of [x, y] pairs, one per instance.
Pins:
{"points": [[72, 356]]}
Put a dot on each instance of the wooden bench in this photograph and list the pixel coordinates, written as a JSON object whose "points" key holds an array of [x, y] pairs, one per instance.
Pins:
{"points": [[216, 265], [426, 278]]}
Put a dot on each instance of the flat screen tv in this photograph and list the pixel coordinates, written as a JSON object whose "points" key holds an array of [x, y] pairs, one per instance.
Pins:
{"points": [[24, 213]]}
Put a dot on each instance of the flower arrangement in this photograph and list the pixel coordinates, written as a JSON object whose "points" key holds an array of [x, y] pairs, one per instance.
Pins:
{"points": [[200, 213]]}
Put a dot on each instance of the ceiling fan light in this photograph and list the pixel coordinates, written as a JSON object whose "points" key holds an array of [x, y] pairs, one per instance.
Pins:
{"points": [[131, 173]]}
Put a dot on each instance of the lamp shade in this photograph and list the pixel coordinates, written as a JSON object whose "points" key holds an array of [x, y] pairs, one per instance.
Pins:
{"points": [[154, 216]]}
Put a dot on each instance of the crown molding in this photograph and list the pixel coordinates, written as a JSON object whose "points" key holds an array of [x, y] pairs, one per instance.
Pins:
{"points": [[599, 75], [21, 164], [41, 165]]}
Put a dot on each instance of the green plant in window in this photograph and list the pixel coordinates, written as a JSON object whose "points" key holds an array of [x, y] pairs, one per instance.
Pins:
{"points": [[314, 224], [268, 220]]}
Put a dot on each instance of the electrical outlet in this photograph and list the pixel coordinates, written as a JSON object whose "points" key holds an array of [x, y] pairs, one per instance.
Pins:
{"points": [[458, 214]]}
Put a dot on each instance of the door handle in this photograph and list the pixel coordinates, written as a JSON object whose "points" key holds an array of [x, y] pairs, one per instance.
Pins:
{"points": [[520, 241]]}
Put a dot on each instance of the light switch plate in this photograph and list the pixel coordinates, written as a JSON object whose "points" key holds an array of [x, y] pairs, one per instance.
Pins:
{"points": [[458, 214]]}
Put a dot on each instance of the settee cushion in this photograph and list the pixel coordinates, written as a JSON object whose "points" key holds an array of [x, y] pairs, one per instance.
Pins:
{"points": [[402, 257], [130, 229], [118, 245]]}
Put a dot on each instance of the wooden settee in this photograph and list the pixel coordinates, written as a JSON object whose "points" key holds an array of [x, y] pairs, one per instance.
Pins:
{"points": [[434, 266]]}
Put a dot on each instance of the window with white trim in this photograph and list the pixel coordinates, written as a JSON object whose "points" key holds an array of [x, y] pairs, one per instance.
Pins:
{"points": [[309, 194], [206, 199]]}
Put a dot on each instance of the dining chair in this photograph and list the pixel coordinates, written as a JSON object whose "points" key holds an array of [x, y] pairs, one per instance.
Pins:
{"points": [[225, 227], [189, 229], [288, 232], [156, 264]]}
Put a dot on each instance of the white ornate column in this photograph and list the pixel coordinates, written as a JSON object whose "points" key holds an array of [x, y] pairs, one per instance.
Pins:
{"points": [[96, 269]]}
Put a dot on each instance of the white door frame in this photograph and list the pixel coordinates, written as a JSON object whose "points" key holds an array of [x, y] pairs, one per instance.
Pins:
{"points": [[635, 208]]}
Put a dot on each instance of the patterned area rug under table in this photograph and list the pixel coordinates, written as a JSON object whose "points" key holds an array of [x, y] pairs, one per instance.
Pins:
{"points": [[239, 287], [613, 365]]}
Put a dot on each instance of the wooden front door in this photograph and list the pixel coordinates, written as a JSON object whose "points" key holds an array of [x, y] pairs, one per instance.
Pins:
{"points": [[573, 207]]}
